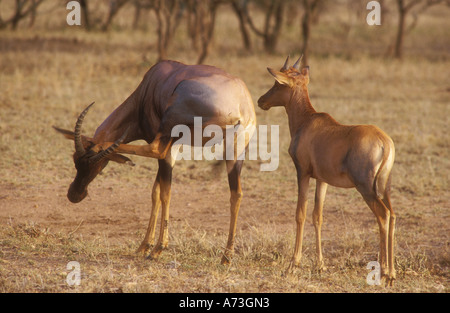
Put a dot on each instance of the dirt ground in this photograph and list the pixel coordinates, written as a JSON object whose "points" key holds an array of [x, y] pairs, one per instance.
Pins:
{"points": [[116, 214]]}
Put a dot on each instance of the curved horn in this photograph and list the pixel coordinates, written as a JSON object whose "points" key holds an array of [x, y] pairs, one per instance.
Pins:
{"points": [[285, 66], [110, 149], [77, 133], [297, 63]]}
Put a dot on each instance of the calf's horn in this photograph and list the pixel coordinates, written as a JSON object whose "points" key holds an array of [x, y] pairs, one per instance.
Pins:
{"points": [[297, 64]]}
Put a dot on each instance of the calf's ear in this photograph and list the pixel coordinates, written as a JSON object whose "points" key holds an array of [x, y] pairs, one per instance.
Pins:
{"points": [[281, 77]]}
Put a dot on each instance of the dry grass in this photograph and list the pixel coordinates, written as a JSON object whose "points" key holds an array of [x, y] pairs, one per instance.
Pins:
{"points": [[48, 74]]}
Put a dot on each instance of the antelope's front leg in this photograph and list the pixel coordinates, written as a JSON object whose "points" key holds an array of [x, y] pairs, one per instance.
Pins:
{"points": [[149, 238], [321, 189], [300, 217], [165, 186], [158, 148]]}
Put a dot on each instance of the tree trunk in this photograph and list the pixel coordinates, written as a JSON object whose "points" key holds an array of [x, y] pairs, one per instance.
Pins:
{"points": [[114, 7], [403, 8], [162, 52], [33, 14], [242, 26], [16, 18], [208, 22], [310, 16], [398, 52], [306, 31], [85, 13], [21, 11], [167, 22], [271, 38], [272, 24]]}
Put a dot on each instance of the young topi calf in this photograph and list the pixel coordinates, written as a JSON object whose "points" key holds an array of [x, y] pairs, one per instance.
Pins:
{"points": [[346, 156]]}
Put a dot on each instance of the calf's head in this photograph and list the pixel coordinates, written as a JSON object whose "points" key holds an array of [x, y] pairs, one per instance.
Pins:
{"points": [[287, 79]]}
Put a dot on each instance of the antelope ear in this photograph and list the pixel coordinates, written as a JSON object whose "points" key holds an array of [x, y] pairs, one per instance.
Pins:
{"points": [[305, 71], [119, 159], [282, 78], [68, 134]]}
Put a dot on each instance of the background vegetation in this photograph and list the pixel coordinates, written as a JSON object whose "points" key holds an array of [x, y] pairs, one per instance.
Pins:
{"points": [[50, 71]]}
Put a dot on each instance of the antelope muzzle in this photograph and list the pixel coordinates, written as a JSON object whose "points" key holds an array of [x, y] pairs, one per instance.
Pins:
{"points": [[74, 195]]}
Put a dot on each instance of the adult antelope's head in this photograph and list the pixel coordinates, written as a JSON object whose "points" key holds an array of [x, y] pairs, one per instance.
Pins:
{"points": [[89, 158], [287, 79]]}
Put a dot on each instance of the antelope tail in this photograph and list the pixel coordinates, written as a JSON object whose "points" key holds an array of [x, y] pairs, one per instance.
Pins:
{"points": [[382, 176]]}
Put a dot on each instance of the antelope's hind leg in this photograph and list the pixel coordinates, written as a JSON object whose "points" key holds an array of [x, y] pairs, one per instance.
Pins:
{"points": [[165, 170], [382, 214], [387, 202], [234, 180]]}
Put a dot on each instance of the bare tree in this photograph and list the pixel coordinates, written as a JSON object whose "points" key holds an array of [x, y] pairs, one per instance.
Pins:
{"points": [[167, 16], [239, 10], [33, 14], [140, 5], [272, 23], [311, 9], [207, 22], [114, 7], [85, 14], [201, 21], [23, 9], [193, 24], [404, 7]]}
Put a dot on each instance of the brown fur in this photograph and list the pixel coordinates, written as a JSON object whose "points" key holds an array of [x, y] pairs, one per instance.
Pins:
{"points": [[170, 94], [347, 156]]}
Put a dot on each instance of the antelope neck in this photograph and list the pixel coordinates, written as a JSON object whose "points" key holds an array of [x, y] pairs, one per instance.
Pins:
{"points": [[299, 109], [114, 126]]}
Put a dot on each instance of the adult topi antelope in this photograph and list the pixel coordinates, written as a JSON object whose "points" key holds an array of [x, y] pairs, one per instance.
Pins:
{"points": [[170, 94], [346, 156]]}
